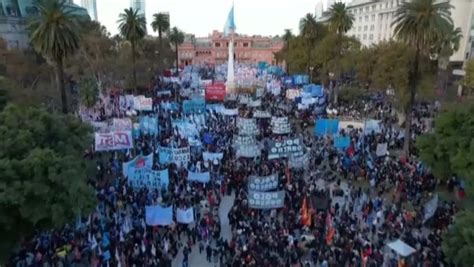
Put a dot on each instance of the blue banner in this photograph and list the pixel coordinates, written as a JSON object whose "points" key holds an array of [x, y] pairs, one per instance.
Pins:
{"points": [[197, 105], [315, 90], [300, 79], [149, 125], [202, 177], [158, 216], [342, 142], [326, 127], [288, 80], [169, 106], [139, 162]]}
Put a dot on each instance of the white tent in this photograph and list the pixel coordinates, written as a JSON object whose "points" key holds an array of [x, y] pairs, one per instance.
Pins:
{"points": [[401, 248]]}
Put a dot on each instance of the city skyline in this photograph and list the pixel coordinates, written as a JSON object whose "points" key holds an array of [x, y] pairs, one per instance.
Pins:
{"points": [[263, 17]]}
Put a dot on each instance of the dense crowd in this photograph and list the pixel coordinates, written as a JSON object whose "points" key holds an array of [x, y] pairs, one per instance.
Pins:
{"points": [[357, 201]]}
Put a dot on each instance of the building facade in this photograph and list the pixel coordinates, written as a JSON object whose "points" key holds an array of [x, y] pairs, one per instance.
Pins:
{"points": [[373, 22], [13, 20], [138, 4], [91, 6], [214, 49]]}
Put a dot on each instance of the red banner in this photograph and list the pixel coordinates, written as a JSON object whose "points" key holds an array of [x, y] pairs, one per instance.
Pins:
{"points": [[215, 92]]}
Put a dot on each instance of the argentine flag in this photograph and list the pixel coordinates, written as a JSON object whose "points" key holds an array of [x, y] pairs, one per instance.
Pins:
{"points": [[230, 24]]}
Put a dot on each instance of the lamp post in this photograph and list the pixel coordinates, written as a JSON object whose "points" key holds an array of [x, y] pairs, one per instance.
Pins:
{"points": [[311, 74], [331, 86]]}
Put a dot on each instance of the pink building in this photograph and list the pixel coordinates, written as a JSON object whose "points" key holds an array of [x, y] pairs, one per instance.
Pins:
{"points": [[214, 49]]}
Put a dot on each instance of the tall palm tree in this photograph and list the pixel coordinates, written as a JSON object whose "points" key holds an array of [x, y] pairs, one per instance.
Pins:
{"points": [[340, 21], [287, 36], [53, 34], [177, 38], [160, 24], [311, 30], [418, 23], [445, 46], [132, 27]]}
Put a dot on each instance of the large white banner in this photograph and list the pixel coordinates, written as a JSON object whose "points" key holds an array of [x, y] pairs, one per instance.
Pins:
{"points": [[185, 216], [143, 103], [381, 150], [113, 140], [202, 177], [263, 183], [248, 151], [212, 156], [123, 124], [280, 125], [292, 93], [247, 126], [299, 162], [285, 148], [266, 200], [244, 140], [178, 156], [261, 114]]}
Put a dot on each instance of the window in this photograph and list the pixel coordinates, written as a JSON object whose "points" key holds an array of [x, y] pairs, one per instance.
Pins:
{"points": [[217, 45], [359, 28], [371, 37], [365, 37], [361, 10], [358, 36], [366, 18], [373, 17], [355, 11], [372, 27], [365, 28], [246, 44], [360, 19], [366, 9], [374, 7]]}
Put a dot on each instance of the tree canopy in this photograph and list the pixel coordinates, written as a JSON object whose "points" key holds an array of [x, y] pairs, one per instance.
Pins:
{"points": [[450, 148], [458, 242], [42, 172]]}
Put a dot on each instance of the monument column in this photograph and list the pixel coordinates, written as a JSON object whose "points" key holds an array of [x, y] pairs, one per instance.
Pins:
{"points": [[230, 84]]}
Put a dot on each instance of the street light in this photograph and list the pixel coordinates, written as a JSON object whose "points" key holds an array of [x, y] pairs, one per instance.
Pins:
{"points": [[311, 74]]}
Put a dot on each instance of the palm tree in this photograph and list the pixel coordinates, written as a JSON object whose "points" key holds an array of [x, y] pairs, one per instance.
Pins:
{"points": [[53, 34], [340, 21], [132, 27], [311, 30], [287, 38], [160, 24], [446, 45], [418, 23], [177, 38]]}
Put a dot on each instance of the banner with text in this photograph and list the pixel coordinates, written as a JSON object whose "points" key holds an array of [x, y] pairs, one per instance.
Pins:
{"points": [[285, 148], [124, 124], [212, 156], [215, 92], [143, 103], [113, 140], [280, 125], [185, 216], [196, 105], [261, 114], [149, 125], [158, 216], [202, 177], [266, 200], [263, 183], [178, 156], [247, 126]]}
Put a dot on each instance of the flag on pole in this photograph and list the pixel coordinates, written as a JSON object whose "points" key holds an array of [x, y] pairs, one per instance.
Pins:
{"points": [[305, 214], [230, 24]]}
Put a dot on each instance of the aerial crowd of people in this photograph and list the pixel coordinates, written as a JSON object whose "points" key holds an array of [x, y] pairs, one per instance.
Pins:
{"points": [[337, 197]]}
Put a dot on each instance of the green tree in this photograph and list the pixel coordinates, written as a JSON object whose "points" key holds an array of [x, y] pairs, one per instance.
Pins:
{"points": [[176, 38], [53, 33], [42, 179], [458, 242], [88, 92], [340, 21], [418, 23], [445, 46], [365, 64], [468, 79], [160, 24], [311, 31], [287, 37], [450, 148], [132, 27]]}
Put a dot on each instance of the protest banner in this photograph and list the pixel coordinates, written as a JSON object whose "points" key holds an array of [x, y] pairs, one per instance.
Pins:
{"points": [[315, 90], [326, 127], [215, 92], [124, 124], [196, 105], [158, 216], [280, 125], [300, 79], [299, 162], [350, 125], [202, 177], [244, 140], [381, 150], [259, 92], [430, 208], [143, 103], [186, 128], [255, 103], [139, 162], [178, 156], [285, 148], [129, 102], [342, 142], [230, 112], [185, 216], [372, 126], [291, 94], [248, 151], [149, 125], [148, 178], [261, 114], [263, 183], [169, 106], [115, 140], [266, 200], [247, 126], [100, 126], [215, 107], [212, 156]]}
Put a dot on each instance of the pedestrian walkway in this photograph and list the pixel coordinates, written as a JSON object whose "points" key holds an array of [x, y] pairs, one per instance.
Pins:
{"points": [[197, 259]]}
